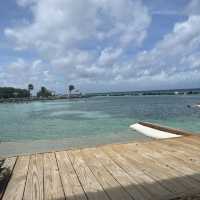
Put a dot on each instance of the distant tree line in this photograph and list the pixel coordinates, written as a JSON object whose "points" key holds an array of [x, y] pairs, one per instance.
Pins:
{"points": [[10, 92]]}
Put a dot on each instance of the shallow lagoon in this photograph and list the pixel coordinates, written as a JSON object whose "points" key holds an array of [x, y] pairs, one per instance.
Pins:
{"points": [[87, 122]]}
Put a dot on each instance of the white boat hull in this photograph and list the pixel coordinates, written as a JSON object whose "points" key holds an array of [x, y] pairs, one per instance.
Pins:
{"points": [[153, 133]]}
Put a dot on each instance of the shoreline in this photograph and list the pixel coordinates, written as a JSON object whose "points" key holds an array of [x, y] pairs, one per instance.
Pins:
{"points": [[53, 98], [33, 99], [13, 148]]}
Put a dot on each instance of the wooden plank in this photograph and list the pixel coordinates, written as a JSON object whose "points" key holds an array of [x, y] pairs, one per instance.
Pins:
{"points": [[72, 187], [194, 139], [166, 147], [192, 142], [110, 185], [34, 189], [52, 183], [15, 187], [159, 157], [179, 172], [185, 148], [178, 156], [177, 159], [149, 183], [154, 170], [187, 144], [136, 190], [169, 146], [180, 152], [89, 183], [172, 161], [8, 165]]}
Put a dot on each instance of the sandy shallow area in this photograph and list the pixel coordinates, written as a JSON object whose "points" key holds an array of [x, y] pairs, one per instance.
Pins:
{"points": [[39, 146]]}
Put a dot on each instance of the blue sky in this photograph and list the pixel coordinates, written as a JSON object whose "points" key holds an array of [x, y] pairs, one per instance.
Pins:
{"points": [[100, 45]]}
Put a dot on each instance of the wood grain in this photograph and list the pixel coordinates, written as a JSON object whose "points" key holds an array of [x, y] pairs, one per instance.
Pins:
{"points": [[169, 167], [16, 185], [52, 184], [153, 170], [72, 187], [136, 190], [136, 172], [110, 185], [34, 189], [91, 186]]}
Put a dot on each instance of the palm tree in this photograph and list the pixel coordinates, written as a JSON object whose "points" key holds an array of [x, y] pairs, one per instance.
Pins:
{"points": [[44, 92], [30, 87], [71, 87]]}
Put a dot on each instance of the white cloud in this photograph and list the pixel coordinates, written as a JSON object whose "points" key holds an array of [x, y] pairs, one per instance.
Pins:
{"points": [[193, 8], [20, 72], [91, 41], [64, 24], [80, 37], [174, 55], [108, 56]]}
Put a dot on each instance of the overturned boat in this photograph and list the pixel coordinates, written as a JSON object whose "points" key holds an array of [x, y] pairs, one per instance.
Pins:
{"points": [[157, 131]]}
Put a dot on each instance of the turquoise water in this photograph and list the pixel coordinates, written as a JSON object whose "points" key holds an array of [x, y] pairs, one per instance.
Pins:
{"points": [[104, 118]]}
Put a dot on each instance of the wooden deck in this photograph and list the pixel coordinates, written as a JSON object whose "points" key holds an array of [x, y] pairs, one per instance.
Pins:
{"points": [[142, 171]]}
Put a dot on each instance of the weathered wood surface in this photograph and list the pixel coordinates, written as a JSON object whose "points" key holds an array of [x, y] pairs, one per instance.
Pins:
{"points": [[153, 170], [72, 187], [16, 185], [52, 183], [34, 184]]}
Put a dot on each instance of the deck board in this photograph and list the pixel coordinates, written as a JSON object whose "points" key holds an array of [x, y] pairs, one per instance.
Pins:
{"points": [[52, 184], [34, 185], [136, 190], [173, 167], [16, 185], [72, 187], [157, 173], [152, 170], [92, 187], [104, 177], [136, 172], [189, 159]]}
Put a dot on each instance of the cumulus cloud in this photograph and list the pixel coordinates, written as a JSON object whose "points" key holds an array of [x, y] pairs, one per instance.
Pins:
{"points": [[173, 61], [98, 41], [64, 24], [175, 56], [193, 8], [79, 36], [20, 72]]}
